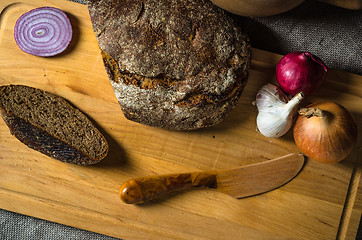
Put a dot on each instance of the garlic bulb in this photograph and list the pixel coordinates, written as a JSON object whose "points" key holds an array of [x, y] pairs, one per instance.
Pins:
{"points": [[276, 110]]}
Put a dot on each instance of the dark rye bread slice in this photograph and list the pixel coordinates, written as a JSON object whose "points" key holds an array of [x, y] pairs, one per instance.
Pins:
{"points": [[49, 124], [175, 64]]}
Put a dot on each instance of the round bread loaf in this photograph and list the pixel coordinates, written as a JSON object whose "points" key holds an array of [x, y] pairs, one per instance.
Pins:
{"points": [[175, 64]]}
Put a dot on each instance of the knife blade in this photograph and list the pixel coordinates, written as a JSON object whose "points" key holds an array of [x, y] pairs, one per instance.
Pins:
{"points": [[238, 182]]}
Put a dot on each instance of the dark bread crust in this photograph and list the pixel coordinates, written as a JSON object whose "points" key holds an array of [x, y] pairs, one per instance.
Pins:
{"points": [[49, 124], [43, 142], [175, 64]]}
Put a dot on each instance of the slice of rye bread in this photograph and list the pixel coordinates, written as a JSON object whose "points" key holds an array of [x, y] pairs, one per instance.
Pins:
{"points": [[175, 64], [51, 125]]}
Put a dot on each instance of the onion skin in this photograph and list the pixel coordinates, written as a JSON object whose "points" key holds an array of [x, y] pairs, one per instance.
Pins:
{"points": [[329, 139], [300, 72]]}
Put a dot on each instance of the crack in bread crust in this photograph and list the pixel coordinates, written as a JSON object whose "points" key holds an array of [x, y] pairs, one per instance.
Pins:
{"points": [[191, 98], [132, 78]]}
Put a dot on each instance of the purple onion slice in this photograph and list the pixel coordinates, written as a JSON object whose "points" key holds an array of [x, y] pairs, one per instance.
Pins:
{"points": [[44, 31]]}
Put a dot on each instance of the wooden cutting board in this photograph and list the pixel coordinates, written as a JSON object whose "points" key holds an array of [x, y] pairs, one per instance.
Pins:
{"points": [[322, 202]]}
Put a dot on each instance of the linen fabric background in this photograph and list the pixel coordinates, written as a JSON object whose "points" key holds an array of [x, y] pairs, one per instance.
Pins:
{"points": [[334, 34]]}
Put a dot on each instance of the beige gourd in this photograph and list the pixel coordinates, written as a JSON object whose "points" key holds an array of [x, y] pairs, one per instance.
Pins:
{"points": [[257, 8], [260, 8]]}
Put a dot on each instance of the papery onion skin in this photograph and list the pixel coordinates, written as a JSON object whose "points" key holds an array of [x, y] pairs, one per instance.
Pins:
{"points": [[265, 95], [44, 31], [329, 139], [300, 72]]}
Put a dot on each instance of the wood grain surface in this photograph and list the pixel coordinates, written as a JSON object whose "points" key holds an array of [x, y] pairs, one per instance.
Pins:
{"points": [[322, 202]]}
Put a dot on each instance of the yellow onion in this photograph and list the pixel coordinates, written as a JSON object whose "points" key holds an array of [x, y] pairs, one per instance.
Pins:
{"points": [[325, 132]]}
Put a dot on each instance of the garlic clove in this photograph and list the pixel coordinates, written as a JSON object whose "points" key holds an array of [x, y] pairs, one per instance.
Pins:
{"points": [[273, 125], [275, 114]]}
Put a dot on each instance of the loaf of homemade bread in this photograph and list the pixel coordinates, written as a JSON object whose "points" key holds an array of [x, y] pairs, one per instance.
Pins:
{"points": [[51, 125], [175, 64]]}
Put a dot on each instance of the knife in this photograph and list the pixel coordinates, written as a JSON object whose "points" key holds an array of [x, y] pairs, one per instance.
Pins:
{"points": [[238, 182]]}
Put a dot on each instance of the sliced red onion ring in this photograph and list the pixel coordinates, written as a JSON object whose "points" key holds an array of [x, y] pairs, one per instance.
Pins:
{"points": [[44, 31]]}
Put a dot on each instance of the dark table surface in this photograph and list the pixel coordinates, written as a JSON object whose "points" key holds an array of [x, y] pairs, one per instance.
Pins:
{"points": [[332, 33]]}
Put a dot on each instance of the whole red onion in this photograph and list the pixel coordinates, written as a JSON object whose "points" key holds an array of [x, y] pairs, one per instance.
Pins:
{"points": [[300, 72]]}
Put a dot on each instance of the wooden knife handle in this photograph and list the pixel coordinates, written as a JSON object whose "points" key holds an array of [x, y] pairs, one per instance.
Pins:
{"points": [[139, 190]]}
